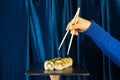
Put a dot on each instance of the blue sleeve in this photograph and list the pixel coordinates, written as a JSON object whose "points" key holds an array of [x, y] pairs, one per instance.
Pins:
{"points": [[109, 45]]}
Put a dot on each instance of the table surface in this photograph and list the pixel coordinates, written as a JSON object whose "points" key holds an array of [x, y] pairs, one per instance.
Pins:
{"points": [[38, 69]]}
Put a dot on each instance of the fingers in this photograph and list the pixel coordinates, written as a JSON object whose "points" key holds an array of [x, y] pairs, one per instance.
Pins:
{"points": [[74, 32], [73, 26], [79, 25], [69, 24]]}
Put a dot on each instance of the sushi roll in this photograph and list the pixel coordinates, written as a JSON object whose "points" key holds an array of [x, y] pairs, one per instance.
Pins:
{"points": [[70, 61], [49, 65], [66, 62], [59, 64]]}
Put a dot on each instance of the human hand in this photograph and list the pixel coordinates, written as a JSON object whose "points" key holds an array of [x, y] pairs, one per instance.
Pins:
{"points": [[79, 25], [54, 77]]}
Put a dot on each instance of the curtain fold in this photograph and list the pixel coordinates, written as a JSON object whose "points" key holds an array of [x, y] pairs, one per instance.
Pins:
{"points": [[14, 39]]}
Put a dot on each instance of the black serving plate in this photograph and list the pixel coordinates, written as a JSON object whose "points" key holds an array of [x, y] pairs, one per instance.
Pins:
{"points": [[38, 69]]}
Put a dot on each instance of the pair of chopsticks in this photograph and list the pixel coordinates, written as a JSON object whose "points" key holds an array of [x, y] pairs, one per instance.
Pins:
{"points": [[74, 19]]}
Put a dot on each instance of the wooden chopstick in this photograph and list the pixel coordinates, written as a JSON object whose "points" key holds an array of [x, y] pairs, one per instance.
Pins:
{"points": [[71, 39], [76, 16]]}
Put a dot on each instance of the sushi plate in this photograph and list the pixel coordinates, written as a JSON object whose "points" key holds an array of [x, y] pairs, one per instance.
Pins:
{"points": [[76, 69]]}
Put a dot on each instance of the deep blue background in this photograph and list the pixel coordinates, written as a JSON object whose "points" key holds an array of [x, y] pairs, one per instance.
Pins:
{"points": [[31, 31]]}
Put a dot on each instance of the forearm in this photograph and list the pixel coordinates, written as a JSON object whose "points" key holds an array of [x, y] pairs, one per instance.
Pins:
{"points": [[109, 45]]}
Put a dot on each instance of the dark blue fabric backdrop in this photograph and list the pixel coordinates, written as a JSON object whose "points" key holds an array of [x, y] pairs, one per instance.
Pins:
{"points": [[31, 31], [14, 39]]}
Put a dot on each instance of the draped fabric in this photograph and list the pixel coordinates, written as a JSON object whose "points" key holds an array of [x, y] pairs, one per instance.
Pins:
{"points": [[14, 39], [31, 31]]}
